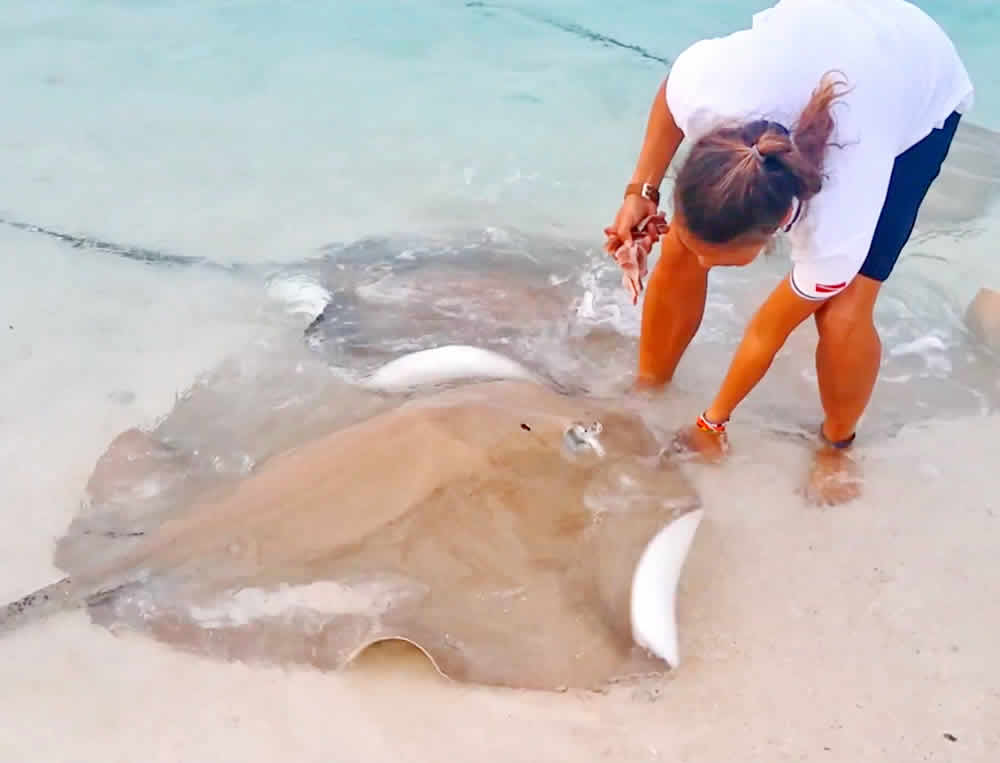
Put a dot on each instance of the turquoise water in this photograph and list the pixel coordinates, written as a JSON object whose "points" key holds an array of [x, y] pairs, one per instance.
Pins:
{"points": [[261, 130], [264, 135]]}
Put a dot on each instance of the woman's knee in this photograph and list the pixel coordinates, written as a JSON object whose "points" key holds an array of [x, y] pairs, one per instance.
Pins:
{"points": [[844, 323], [850, 314]]}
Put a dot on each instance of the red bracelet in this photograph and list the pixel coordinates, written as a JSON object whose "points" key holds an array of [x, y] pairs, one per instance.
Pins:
{"points": [[710, 426]]}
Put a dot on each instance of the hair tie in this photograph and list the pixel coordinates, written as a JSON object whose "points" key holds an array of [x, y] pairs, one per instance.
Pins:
{"points": [[757, 153]]}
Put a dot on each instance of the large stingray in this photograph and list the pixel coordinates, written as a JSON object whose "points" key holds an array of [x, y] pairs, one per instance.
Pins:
{"points": [[518, 536]]}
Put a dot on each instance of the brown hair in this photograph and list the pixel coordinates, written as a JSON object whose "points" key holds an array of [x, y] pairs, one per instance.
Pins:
{"points": [[739, 181]]}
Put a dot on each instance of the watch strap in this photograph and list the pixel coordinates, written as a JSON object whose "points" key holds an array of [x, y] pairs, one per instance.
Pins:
{"points": [[645, 190]]}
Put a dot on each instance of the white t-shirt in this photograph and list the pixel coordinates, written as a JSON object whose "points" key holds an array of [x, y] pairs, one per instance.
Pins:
{"points": [[905, 76]]}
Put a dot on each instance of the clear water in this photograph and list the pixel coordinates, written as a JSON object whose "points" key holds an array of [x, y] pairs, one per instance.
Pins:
{"points": [[316, 151], [262, 130], [312, 147]]}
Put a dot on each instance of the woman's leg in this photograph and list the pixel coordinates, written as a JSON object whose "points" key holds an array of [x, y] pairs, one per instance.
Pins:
{"points": [[848, 356], [849, 351], [671, 312]]}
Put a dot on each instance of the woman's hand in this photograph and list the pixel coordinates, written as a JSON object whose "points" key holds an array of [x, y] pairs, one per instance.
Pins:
{"points": [[634, 210], [632, 252]]}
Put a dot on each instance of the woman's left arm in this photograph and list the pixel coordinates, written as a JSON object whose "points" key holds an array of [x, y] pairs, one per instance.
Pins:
{"points": [[766, 333]]}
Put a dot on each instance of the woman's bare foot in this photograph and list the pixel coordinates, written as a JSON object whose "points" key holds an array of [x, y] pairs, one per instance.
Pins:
{"points": [[834, 478]]}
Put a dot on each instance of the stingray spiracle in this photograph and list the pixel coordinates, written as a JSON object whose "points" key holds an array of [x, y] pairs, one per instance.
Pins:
{"points": [[580, 436]]}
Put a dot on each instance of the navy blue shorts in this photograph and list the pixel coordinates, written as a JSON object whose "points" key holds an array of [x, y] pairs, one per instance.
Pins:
{"points": [[912, 175]]}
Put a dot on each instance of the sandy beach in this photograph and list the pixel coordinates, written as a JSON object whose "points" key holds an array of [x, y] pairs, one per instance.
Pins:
{"points": [[857, 634], [862, 633]]}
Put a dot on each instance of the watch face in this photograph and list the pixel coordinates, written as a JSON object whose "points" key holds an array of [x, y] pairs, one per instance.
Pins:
{"points": [[645, 190]]}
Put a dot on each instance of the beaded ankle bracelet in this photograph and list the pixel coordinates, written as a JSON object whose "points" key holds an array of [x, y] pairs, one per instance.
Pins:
{"points": [[705, 425]]}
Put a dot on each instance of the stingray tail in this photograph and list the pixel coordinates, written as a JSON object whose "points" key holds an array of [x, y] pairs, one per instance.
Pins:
{"points": [[61, 596], [90, 587], [42, 603]]}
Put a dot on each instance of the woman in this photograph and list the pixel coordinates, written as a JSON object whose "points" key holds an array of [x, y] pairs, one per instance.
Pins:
{"points": [[828, 120]]}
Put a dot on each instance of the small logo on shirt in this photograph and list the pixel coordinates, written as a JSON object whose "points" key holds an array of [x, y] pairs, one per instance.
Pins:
{"points": [[826, 288]]}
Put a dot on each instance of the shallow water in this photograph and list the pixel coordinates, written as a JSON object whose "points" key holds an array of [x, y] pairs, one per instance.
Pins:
{"points": [[283, 153]]}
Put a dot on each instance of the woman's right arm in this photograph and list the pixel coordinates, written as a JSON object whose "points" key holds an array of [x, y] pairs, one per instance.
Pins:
{"points": [[659, 145]]}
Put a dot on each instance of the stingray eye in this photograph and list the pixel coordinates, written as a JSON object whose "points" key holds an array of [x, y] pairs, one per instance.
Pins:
{"points": [[575, 437], [580, 437]]}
